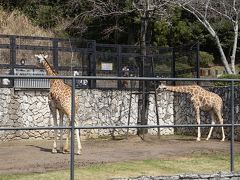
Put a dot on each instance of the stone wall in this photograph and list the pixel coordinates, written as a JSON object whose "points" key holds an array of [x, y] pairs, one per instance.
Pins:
{"points": [[105, 107], [217, 176], [108, 107], [23, 109], [97, 108]]}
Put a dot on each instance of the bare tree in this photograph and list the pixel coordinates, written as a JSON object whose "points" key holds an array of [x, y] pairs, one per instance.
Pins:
{"points": [[111, 8], [210, 11], [96, 9], [146, 9]]}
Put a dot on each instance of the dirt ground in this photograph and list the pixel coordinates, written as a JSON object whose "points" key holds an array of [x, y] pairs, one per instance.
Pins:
{"points": [[36, 156]]}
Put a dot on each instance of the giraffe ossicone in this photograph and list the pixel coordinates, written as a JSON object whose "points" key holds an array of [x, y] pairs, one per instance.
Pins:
{"points": [[41, 57], [202, 100], [59, 100]]}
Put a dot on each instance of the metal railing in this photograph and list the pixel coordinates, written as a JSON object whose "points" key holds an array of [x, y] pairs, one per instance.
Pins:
{"points": [[89, 57], [231, 125]]}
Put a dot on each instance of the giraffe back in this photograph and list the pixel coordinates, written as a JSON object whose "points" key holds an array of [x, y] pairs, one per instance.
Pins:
{"points": [[61, 93], [201, 97], [206, 100]]}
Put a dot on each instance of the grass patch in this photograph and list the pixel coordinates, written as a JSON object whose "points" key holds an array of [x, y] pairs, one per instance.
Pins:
{"points": [[204, 163]]}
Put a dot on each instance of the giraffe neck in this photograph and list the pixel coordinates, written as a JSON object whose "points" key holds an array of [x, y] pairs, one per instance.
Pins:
{"points": [[50, 71], [181, 89]]}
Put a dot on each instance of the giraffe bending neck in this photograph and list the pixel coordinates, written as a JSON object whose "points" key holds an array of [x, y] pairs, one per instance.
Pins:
{"points": [[202, 99], [181, 89]]}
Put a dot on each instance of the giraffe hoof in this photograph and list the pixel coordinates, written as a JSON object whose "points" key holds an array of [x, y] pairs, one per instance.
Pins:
{"points": [[198, 139], [79, 152], [222, 140], [207, 139], [65, 151], [54, 151]]}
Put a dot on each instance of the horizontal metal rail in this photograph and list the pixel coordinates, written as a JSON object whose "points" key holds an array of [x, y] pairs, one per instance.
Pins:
{"points": [[50, 48], [119, 78], [117, 127], [35, 67], [46, 48], [44, 38]]}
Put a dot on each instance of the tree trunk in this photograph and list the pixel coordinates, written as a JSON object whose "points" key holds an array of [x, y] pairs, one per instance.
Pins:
{"points": [[219, 45], [234, 50], [208, 26], [143, 101], [131, 33], [223, 56]]}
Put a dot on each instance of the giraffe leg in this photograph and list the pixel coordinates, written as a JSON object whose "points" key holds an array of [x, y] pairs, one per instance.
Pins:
{"points": [[213, 122], [66, 146], [54, 114], [198, 122], [79, 146], [221, 122], [61, 130], [54, 149]]}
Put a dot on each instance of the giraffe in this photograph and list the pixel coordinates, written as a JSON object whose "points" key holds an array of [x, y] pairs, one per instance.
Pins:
{"points": [[125, 72], [59, 99], [202, 100]]}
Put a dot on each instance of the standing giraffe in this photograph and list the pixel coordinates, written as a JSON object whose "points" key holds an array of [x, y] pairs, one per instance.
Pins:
{"points": [[202, 100], [59, 99]]}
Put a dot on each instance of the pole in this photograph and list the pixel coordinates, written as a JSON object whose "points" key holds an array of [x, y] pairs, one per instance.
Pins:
{"points": [[72, 129], [232, 127], [12, 57], [55, 53], [198, 62]]}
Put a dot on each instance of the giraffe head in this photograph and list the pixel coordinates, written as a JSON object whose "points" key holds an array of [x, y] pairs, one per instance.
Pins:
{"points": [[41, 58], [162, 86]]}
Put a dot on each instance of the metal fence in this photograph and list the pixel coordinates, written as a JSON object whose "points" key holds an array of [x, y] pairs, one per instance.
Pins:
{"points": [[72, 127], [89, 58]]}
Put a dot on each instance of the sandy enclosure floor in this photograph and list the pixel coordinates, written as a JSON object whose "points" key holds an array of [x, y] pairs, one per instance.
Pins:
{"points": [[36, 156]]}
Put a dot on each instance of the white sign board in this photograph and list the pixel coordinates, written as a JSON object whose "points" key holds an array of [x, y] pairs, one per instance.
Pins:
{"points": [[106, 66]]}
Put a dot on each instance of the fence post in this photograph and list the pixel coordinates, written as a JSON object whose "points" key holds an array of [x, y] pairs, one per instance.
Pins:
{"points": [[232, 128], [119, 61], [55, 53], [12, 56], [93, 63], [72, 129]]}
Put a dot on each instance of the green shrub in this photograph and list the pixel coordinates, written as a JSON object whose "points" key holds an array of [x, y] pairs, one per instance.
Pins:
{"points": [[205, 59], [228, 76], [163, 69], [187, 75], [182, 66], [182, 60]]}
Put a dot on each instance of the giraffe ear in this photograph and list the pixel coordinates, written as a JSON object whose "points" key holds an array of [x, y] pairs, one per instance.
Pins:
{"points": [[46, 56]]}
